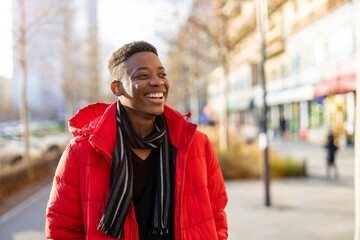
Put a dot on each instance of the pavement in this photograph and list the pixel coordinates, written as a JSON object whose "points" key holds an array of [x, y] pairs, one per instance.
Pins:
{"points": [[311, 208]]}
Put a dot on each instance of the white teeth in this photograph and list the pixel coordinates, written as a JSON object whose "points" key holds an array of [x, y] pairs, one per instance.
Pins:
{"points": [[155, 95]]}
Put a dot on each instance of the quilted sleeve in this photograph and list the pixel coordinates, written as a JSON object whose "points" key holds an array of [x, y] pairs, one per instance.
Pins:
{"points": [[64, 212], [217, 192]]}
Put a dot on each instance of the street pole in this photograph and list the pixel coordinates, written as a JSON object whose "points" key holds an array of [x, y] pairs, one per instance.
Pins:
{"points": [[357, 155], [357, 132], [263, 139]]}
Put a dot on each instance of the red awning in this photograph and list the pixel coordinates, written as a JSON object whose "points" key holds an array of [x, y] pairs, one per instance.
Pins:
{"points": [[343, 85], [338, 78]]}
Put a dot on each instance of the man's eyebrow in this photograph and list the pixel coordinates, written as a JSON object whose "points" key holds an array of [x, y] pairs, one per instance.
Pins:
{"points": [[141, 68], [146, 68]]}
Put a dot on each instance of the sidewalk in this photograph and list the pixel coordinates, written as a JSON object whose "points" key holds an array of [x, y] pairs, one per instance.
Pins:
{"points": [[313, 208]]}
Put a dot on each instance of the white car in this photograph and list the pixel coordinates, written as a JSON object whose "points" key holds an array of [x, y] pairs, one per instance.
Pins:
{"points": [[11, 151], [49, 147]]}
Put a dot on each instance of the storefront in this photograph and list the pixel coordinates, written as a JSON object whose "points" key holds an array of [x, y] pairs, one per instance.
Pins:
{"points": [[338, 93], [293, 105]]}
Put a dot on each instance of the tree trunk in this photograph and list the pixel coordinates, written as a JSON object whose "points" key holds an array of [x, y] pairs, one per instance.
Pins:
{"points": [[69, 87], [68, 112], [223, 53], [24, 112], [223, 118], [194, 103]]}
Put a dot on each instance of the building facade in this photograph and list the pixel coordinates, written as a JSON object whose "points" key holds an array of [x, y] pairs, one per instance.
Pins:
{"points": [[310, 70], [316, 91]]}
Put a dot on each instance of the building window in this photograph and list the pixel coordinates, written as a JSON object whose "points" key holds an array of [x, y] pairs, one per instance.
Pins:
{"points": [[341, 44]]}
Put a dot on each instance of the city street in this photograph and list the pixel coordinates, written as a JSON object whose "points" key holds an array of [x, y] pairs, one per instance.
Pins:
{"points": [[310, 208], [282, 76]]}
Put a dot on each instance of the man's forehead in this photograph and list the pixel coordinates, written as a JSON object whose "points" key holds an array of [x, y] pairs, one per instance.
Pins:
{"points": [[142, 60]]}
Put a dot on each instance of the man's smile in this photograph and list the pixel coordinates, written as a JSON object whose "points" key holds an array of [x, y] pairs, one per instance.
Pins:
{"points": [[156, 97]]}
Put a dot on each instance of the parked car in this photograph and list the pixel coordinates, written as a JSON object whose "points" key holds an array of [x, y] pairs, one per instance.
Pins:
{"points": [[53, 144], [47, 140], [11, 150], [49, 147]]}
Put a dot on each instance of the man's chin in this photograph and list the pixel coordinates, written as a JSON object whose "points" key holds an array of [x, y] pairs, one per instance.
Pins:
{"points": [[157, 113]]}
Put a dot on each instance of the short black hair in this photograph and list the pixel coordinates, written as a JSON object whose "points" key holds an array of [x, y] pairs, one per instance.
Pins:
{"points": [[123, 54]]}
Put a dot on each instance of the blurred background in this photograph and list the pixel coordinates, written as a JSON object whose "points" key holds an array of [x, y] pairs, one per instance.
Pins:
{"points": [[286, 68]]}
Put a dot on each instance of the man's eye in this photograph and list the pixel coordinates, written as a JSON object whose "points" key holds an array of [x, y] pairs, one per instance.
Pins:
{"points": [[142, 76], [162, 75]]}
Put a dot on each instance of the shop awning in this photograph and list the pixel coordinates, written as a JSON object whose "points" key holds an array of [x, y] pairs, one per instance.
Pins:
{"points": [[343, 85], [297, 94], [338, 78]]}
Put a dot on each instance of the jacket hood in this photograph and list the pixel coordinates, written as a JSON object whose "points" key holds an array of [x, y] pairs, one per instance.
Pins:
{"points": [[86, 119], [98, 123]]}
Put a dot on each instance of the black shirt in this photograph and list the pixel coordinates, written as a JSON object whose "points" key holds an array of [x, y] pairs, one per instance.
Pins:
{"points": [[145, 172]]}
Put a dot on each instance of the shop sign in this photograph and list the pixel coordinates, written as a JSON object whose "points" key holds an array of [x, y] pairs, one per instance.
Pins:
{"points": [[298, 94], [291, 81], [274, 85], [338, 78]]}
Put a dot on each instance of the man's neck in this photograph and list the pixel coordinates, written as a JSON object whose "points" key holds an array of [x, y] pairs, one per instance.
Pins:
{"points": [[143, 125]]}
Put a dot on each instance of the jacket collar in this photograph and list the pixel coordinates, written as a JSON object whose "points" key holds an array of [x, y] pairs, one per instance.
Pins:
{"points": [[180, 130], [98, 123]]}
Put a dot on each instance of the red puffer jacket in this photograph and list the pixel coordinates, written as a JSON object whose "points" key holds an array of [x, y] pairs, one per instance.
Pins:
{"points": [[81, 184]]}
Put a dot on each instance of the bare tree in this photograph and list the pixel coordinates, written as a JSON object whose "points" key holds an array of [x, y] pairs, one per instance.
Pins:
{"points": [[208, 25], [22, 35], [22, 43], [92, 55], [79, 57], [188, 63], [69, 64], [178, 74]]}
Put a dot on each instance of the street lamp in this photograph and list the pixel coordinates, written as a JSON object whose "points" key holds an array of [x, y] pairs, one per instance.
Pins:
{"points": [[357, 131], [263, 139]]}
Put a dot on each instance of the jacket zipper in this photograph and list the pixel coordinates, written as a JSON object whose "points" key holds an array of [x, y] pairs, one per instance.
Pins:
{"points": [[182, 183]]}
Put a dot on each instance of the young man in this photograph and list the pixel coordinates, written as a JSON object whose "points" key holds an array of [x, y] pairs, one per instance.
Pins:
{"points": [[136, 169]]}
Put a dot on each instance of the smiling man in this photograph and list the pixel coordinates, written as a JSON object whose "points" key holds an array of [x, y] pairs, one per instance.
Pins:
{"points": [[136, 169]]}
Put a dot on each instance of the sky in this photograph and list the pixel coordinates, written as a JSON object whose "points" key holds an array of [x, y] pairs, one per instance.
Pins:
{"points": [[119, 22], [123, 21], [6, 61]]}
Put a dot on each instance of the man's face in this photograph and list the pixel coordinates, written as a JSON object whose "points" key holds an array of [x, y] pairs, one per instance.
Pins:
{"points": [[144, 85]]}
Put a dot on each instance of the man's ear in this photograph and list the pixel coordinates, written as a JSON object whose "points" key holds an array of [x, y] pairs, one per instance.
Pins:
{"points": [[116, 88]]}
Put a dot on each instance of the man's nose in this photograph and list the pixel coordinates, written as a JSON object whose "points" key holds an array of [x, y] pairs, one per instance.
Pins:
{"points": [[156, 81]]}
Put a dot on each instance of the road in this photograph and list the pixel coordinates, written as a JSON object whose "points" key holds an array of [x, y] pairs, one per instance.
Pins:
{"points": [[307, 208], [27, 220]]}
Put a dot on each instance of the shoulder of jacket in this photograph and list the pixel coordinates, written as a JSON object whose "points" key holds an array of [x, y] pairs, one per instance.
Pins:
{"points": [[200, 142], [200, 137], [79, 144]]}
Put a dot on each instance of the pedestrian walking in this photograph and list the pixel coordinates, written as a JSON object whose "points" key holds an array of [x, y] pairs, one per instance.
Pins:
{"points": [[282, 124], [331, 150], [136, 169]]}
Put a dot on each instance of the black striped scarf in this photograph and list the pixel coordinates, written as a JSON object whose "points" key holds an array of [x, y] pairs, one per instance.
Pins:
{"points": [[121, 176]]}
